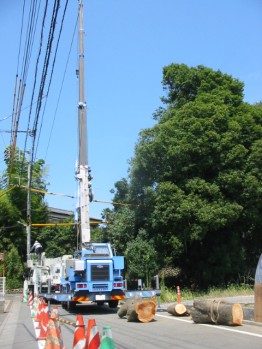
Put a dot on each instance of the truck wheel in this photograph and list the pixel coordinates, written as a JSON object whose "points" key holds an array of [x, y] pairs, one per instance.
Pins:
{"points": [[71, 306], [113, 304]]}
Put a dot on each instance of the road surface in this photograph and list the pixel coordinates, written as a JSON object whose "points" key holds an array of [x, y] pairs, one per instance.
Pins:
{"points": [[166, 331]]}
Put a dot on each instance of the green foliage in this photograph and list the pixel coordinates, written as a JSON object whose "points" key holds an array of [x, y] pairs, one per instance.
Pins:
{"points": [[141, 258], [14, 269], [10, 230], [185, 84], [58, 241], [121, 193], [16, 174], [169, 295], [97, 234], [120, 228], [195, 177], [13, 200]]}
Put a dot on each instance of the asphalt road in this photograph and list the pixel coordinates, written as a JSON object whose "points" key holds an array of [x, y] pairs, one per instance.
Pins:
{"points": [[166, 331]]}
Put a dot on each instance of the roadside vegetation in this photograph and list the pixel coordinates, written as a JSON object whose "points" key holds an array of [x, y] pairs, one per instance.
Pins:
{"points": [[170, 295]]}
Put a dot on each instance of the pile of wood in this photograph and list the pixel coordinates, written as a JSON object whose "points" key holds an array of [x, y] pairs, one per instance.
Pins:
{"points": [[136, 309], [216, 312]]}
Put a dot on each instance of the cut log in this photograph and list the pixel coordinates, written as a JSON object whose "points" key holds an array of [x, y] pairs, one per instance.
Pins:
{"points": [[146, 311], [141, 311], [124, 307], [217, 312], [177, 309], [122, 310]]}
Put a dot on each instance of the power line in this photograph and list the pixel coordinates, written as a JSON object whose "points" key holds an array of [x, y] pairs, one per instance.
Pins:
{"points": [[60, 91], [52, 70]]}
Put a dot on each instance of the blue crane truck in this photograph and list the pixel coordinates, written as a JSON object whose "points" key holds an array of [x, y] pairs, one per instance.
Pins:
{"points": [[94, 272]]}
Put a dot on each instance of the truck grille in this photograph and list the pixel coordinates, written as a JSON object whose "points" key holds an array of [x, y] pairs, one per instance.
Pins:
{"points": [[100, 287], [100, 272]]}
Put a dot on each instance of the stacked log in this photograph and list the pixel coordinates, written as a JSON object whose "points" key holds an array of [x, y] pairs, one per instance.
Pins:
{"points": [[177, 309], [138, 310], [217, 312]]}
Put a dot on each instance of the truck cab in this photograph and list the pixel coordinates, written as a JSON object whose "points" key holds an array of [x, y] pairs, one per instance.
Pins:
{"points": [[94, 274]]}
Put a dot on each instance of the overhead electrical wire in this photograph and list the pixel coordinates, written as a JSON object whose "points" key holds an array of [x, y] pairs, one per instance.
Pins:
{"points": [[44, 74], [36, 72], [9, 116], [20, 87], [60, 91], [52, 71], [34, 127]]}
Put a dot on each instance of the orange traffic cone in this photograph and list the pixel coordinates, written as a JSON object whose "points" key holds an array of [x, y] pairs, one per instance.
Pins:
{"points": [[79, 336], [55, 316], [38, 311], [41, 329], [53, 338], [92, 335], [54, 313]]}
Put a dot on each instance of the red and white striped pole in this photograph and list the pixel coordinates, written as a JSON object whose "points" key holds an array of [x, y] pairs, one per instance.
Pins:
{"points": [[178, 295]]}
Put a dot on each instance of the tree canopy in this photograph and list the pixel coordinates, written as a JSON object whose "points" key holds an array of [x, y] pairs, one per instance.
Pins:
{"points": [[13, 210], [195, 178]]}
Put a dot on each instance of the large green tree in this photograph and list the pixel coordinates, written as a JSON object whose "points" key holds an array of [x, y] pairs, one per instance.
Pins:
{"points": [[14, 198], [15, 178], [141, 258], [195, 178]]}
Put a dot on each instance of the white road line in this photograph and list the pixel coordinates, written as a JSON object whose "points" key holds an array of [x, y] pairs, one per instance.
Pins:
{"points": [[213, 326]]}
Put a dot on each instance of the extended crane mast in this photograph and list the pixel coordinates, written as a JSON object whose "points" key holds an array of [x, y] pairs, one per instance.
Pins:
{"points": [[83, 170], [94, 272]]}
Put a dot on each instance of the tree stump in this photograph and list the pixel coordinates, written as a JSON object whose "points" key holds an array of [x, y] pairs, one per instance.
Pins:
{"points": [[216, 312], [177, 309], [141, 311]]}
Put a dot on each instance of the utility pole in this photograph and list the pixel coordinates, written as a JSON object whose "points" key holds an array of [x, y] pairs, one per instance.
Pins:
{"points": [[28, 208]]}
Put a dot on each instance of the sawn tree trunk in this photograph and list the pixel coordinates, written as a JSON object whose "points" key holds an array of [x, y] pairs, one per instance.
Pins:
{"points": [[216, 312], [138, 310], [177, 309]]}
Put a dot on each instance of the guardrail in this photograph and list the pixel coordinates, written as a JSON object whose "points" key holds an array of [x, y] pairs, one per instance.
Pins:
{"points": [[2, 288], [2, 294]]}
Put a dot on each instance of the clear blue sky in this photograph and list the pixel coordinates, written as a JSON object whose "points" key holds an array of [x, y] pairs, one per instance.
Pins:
{"points": [[127, 43]]}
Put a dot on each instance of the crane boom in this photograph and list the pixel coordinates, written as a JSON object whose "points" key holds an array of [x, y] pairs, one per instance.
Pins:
{"points": [[83, 168]]}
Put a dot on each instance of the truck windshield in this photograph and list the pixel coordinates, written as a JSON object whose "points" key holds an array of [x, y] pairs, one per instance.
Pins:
{"points": [[97, 251]]}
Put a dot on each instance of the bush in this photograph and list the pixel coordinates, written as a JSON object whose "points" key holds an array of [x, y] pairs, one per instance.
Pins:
{"points": [[14, 269]]}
